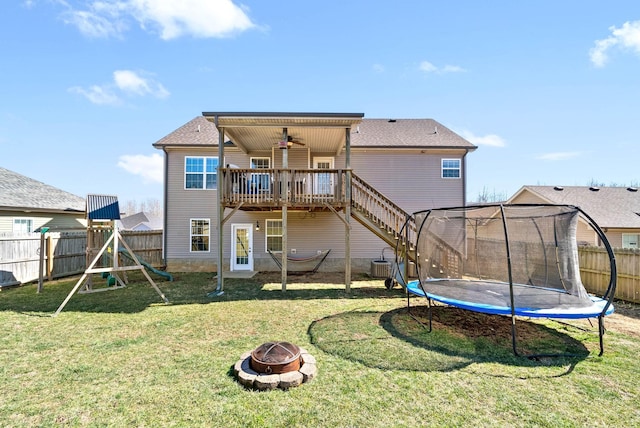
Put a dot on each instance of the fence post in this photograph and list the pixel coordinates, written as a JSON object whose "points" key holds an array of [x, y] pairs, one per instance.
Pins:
{"points": [[42, 231]]}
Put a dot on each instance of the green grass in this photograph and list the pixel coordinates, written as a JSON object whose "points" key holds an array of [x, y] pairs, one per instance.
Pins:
{"points": [[123, 358]]}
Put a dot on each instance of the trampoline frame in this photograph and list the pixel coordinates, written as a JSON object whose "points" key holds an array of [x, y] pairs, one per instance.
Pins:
{"points": [[605, 303]]}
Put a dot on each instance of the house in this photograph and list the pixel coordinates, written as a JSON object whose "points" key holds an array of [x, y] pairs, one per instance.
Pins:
{"points": [[247, 186], [141, 221], [27, 204], [616, 210]]}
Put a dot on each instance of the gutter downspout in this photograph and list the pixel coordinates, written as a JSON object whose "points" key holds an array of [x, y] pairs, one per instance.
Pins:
{"points": [[464, 174], [164, 207]]}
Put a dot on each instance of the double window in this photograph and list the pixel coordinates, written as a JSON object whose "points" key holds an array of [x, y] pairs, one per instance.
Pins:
{"points": [[451, 168], [274, 235], [200, 172], [22, 225], [200, 233]]}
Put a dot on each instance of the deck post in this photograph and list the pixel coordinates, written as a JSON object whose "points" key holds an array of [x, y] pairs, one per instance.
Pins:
{"points": [[284, 181], [347, 212], [219, 183]]}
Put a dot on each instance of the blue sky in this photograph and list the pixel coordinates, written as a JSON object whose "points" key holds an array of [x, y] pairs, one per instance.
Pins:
{"points": [[548, 90]]}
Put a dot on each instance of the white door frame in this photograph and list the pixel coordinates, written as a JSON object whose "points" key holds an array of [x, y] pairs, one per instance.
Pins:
{"points": [[320, 187], [248, 246]]}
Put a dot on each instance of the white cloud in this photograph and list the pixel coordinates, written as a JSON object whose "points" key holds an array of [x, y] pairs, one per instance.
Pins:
{"points": [[133, 83], [428, 67], [198, 18], [150, 168], [97, 95], [626, 37], [93, 24], [559, 156], [125, 83], [171, 19], [491, 140]]}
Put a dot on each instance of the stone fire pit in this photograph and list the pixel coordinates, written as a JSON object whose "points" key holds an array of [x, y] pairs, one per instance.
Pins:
{"points": [[275, 365]]}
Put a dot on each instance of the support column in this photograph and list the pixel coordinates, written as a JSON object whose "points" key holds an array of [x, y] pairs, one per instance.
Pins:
{"points": [[347, 212], [284, 182], [220, 206]]}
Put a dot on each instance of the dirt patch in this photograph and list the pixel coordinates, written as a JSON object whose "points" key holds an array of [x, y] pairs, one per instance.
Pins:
{"points": [[625, 319]]}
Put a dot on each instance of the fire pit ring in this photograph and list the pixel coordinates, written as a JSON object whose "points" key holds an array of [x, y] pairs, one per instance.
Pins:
{"points": [[275, 365], [275, 358]]}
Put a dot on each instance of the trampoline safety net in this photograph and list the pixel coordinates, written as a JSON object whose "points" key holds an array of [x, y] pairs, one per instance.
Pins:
{"points": [[531, 247]]}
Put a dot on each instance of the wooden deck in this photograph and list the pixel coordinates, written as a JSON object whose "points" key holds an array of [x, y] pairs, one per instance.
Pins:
{"points": [[318, 190], [269, 189]]}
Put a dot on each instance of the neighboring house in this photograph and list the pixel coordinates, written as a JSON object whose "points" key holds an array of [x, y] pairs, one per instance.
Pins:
{"points": [[141, 221], [616, 210], [27, 204], [294, 183]]}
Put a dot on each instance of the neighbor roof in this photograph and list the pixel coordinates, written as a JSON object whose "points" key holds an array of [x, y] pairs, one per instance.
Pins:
{"points": [[18, 192], [610, 207], [142, 221], [367, 133]]}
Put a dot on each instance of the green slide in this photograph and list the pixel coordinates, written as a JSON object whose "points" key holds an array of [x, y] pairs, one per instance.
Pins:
{"points": [[147, 266]]}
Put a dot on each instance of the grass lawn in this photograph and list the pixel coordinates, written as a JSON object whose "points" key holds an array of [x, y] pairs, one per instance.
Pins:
{"points": [[124, 358]]}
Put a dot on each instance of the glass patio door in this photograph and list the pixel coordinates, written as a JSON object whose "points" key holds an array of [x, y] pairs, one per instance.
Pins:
{"points": [[323, 183], [241, 247]]}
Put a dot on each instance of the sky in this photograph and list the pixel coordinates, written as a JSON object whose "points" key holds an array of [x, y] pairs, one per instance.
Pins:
{"points": [[549, 91]]}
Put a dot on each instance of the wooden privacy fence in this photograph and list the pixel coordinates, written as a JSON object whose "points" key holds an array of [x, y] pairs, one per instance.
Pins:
{"points": [[65, 254], [595, 273]]}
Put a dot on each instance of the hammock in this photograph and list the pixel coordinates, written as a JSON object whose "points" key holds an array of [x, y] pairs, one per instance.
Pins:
{"points": [[321, 256]]}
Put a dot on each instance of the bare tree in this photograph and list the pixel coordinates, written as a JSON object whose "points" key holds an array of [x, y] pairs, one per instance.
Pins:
{"points": [[486, 196], [151, 206]]}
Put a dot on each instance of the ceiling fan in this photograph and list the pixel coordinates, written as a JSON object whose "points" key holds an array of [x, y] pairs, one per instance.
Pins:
{"points": [[290, 141]]}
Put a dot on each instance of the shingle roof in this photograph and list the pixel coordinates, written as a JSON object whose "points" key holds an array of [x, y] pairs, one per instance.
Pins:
{"points": [[610, 207], [142, 221], [382, 133], [197, 132], [20, 192], [406, 133]]}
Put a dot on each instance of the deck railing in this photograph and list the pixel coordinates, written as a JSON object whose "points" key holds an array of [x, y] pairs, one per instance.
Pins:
{"points": [[264, 188], [382, 211], [315, 188]]}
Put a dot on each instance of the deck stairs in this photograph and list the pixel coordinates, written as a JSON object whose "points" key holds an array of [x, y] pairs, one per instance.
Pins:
{"points": [[383, 217]]}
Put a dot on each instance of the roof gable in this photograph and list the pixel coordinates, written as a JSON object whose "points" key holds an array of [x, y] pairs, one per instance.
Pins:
{"points": [[20, 192]]}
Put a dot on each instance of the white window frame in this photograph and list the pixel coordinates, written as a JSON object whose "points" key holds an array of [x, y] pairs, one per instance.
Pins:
{"points": [[631, 240], [261, 178], [444, 167], [194, 235], [19, 224], [204, 173], [267, 234]]}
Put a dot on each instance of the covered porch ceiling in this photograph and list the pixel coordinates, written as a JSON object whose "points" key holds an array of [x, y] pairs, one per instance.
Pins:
{"points": [[252, 132]]}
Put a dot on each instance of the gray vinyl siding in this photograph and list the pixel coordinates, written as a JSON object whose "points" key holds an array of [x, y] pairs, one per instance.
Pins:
{"points": [[411, 179], [310, 232], [183, 205]]}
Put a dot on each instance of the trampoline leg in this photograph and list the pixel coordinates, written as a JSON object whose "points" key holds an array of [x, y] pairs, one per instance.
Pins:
{"points": [[416, 318], [601, 333], [513, 336]]}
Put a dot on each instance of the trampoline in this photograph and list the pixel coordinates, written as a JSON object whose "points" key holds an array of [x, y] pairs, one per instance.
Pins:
{"points": [[506, 259]]}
